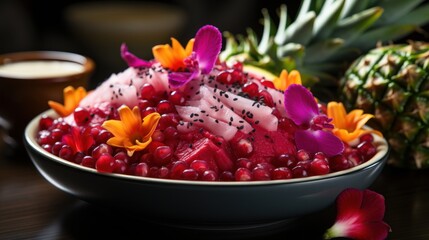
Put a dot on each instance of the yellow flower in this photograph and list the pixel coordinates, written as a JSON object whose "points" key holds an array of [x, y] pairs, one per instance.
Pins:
{"points": [[72, 97], [172, 56], [285, 79], [348, 126], [131, 132]]}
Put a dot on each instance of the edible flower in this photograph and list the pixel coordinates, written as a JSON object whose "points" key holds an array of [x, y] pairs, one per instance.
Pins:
{"points": [[173, 57], [348, 126], [315, 134], [72, 97], [80, 140], [359, 216], [286, 79], [131, 132], [131, 59]]}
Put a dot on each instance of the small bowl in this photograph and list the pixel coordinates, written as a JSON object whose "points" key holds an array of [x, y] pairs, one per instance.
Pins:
{"points": [[23, 95], [198, 202]]}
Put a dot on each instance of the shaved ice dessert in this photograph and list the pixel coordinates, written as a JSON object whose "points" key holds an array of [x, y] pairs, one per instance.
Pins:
{"points": [[186, 115]]}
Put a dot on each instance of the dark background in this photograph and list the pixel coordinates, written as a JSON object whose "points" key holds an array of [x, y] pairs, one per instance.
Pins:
{"points": [[42, 25]]}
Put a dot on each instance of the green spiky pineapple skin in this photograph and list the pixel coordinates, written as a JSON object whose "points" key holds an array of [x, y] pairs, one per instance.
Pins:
{"points": [[392, 83]]}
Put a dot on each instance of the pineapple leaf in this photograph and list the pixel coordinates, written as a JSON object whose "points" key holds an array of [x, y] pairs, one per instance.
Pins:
{"points": [[351, 27], [327, 19], [304, 8], [266, 40], [353, 6], [395, 9], [231, 47], [388, 33], [291, 50], [418, 16], [321, 51], [301, 30], [281, 30]]}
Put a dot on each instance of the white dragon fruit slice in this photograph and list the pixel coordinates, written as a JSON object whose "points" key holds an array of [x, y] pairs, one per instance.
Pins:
{"points": [[278, 99], [196, 117], [157, 76], [250, 110]]}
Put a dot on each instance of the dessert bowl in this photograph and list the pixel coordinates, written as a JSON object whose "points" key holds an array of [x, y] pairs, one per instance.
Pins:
{"points": [[201, 202]]}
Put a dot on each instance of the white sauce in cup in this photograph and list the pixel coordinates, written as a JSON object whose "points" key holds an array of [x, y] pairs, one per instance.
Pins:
{"points": [[40, 69]]}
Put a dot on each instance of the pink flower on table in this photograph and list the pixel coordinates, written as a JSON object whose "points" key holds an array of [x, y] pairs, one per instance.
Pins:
{"points": [[359, 216], [315, 134]]}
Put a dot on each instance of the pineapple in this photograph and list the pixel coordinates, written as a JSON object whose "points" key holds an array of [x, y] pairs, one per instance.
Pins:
{"points": [[392, 82], [325, 36]]}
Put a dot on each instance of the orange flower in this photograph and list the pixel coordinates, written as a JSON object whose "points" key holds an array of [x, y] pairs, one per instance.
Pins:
{"points": [[348, 126], [72, 98], [285, 79], [172, 56], [131, 132]]}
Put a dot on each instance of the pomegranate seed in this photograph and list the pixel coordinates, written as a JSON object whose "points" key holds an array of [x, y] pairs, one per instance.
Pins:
{"points": [[163, 172], [226, 176], [285, 160], [302, 155], [88, 161], [244, 163], [243, 148], [64, 127], [81, 116], [119, 166], [148, 92], [177, 98], [141, 169], [162, 155], [66, 152], [319, 167], [154, 145], [143, 104], [243, 174], [299, 172], [265, 165], [56, 135], [148, 111], [101, 149], [266, 97], [225, 77], [366, 138], [259, 173], [177, 169], [56, 148], [105, 163], [320, 155], [367, 150], [168, 119], [209, 175], [45, 122], [281, 173], [171, 133], [121, 156], [267, 83], [237, 76], [165, 106], [158, 136], [103, 136], [200, 166], [354, 157], [338, 163], [47, 147], [153, 172], [78, 157], [251, 88], [189, 174]]}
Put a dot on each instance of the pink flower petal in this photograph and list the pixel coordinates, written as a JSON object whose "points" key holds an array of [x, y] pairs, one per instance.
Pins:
{"points": [[360, 216], [300, 104], [177, 79], [207, 46], [314, 141], [131, 59]]}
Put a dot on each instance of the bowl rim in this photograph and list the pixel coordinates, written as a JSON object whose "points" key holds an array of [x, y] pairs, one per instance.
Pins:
{"points": [[383, 149], [87, 63]]}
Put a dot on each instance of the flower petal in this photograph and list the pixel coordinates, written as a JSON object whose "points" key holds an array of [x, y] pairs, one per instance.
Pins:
{"points": [[150, 122], [359, 216], [318, 141], [300, 104], [131, 59], [207, 46], [177, 79]]}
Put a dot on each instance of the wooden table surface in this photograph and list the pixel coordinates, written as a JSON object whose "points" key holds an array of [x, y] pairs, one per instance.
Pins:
{"points": [[32, 208]]}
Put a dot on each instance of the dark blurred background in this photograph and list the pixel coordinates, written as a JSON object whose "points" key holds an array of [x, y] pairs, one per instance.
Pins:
{"points": [[55, 25]]}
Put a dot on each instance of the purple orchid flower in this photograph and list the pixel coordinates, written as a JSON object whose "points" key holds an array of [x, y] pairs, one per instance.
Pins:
{"points": [[314, 135], [131, 59]]}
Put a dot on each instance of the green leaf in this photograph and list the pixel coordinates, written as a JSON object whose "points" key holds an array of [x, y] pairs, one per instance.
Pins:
{"points": [[231, 47], [290, 49], [304, 9], [301, 30], [369, 39], [327, 19], [353, 26], [266, 40], [353, 6], [281, 30], [395, 9], [321, 51], [419, 16]]}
